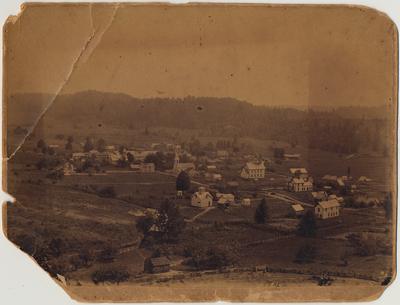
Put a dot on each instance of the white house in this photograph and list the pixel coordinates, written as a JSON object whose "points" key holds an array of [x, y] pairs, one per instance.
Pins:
{"points": [[253, 170], [297, 210], [364, 179], [327, 209], [246, 202], [202, 198], [222, 153], [300, 184], [68, 169], [225, 198]]}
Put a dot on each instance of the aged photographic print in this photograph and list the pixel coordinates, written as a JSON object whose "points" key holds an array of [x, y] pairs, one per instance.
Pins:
{"points": [[203, 152]]}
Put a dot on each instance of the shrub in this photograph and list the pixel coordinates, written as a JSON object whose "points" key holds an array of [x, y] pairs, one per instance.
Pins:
{"points": [[107, 255], [107, 192], [307, 226], [305, 254], [112, 276], [212, 258]]}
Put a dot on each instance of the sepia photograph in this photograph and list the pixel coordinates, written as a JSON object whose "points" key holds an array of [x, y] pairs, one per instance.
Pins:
{"points": [[203, 152]]}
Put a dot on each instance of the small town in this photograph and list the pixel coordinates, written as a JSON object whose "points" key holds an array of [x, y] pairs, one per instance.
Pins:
{"points": [[169, 211]]}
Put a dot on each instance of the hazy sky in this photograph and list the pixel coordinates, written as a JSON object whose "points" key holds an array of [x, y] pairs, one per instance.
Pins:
{"points": [[264, 55]]}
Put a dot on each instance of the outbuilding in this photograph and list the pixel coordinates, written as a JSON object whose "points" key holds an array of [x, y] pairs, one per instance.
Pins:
{"points": [[157, 265]]}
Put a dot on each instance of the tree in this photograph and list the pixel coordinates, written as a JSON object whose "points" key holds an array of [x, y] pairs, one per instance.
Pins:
{"points": [[88, 146], [170, 222], [107, 192], [68, 145], [144, 224], [387, 205], [121, 149], [183, 181], [41, 144], [261, 214], [307, 226], [122, 162], [279, 153], [130, 157], [101, 145], [212, 258]]}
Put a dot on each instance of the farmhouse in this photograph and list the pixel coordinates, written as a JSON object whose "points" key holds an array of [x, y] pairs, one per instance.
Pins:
{"points": [[79, 156], [253, 170], [327, 209], [68, 169], [222, 153], [297, 210], [364, 179], [202, 198], [114, 157], [103, 156], [367, 200], [225, 198], [157, 265], [300, 184], [246, 202]]}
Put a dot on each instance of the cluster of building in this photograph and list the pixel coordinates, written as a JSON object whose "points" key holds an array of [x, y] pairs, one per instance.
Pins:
{"points": [[203, 199], [111, 156], [326, 206], [300, 180]]}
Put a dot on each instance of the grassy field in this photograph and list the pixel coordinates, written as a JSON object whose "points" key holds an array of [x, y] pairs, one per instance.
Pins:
{"points": [[72, 210]]}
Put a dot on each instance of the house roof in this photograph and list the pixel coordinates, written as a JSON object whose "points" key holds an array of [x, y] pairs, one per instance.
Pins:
{"points": [[292, 155], [297, 207], [340, 181], [333, 196], [329, 177], [255, 165], [300, 181], [329, 203], [184, 166], [300, 170], [159, 261], [319, 195], [202, 195]]}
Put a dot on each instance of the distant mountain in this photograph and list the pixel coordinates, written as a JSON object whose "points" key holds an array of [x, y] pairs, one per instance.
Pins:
{"points": [[342, 129], [189, 112]]}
